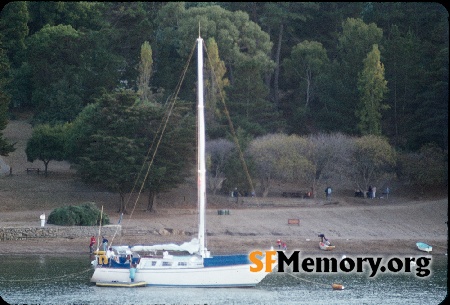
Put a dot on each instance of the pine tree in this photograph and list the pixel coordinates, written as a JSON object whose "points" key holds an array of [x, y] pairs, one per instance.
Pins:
{"points": [[372, 87], [145, 72], [5, 146], [215, 83]]}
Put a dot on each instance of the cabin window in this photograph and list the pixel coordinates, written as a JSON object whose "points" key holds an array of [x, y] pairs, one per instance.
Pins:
{"points": [[153, 263], [166, 264], [182, 264]]}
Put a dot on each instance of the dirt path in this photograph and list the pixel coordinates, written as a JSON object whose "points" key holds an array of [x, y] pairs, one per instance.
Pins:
{"points": [[368, 229]]}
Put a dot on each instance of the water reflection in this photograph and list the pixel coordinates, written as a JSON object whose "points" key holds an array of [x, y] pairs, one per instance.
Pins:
{"points": [[65, 280]]}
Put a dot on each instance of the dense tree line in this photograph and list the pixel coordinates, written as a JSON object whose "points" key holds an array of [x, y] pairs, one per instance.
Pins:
{"points": [[301, 69]]}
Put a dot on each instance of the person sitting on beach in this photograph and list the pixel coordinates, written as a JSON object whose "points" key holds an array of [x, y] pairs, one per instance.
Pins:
{"points": [[359, 193]]}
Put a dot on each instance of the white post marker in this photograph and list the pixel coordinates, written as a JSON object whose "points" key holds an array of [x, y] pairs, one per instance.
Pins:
{"points": [[42, 219]]}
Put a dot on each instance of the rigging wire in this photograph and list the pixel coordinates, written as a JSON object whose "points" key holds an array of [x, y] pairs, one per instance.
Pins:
{"points": [[147, 155], [139, 174], [163, 125], [99, 229], [161, 128], [233, 132]]}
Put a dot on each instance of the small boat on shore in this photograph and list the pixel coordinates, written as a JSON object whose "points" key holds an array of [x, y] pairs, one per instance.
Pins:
{"points": [[337, 286], [324, 243], [325, 247], [424, 247]]}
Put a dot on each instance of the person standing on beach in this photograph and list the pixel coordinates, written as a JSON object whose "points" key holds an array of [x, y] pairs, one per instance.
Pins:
{"points": [[374, 189], [236, 194], [279, 243], [328, 192], [91, 244]]}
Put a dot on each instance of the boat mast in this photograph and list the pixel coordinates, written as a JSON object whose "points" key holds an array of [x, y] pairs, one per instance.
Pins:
{"points": [[201, 187]]}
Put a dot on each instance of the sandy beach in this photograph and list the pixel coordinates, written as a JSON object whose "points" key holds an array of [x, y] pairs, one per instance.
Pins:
{"points": [[372, 227], [354, 225]]}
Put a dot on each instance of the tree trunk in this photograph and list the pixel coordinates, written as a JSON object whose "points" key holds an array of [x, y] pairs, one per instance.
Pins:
{"points": [[308, 86], [265, 184], [46, 167], [122, 203], [231, 74], [151, 206]]}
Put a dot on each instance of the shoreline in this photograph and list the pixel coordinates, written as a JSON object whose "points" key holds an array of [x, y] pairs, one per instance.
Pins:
{"points": [[221, 246], [365, 229]]}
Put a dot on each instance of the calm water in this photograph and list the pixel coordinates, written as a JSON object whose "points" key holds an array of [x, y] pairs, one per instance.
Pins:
{"points": [[54, 280]]}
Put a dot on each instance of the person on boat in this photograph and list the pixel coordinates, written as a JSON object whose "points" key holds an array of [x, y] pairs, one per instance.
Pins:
{"points": [[104, 243], [129, 259], [91, 244], [109, 253]]}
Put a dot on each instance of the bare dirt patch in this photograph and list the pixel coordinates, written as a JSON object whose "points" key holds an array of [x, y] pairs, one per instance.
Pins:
{"points": [[354, 225]]}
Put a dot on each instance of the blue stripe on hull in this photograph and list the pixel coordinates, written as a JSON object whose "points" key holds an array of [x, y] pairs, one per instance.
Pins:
{"points": [[226, 260]]}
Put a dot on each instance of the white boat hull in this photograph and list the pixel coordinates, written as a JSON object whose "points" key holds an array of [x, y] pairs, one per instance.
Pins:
{"points": [[226, 276]]}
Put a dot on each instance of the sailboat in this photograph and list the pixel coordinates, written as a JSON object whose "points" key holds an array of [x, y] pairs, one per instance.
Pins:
{"points": [[189, 264]]}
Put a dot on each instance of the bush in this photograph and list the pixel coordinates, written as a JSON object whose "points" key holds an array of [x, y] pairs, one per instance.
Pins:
{"points": [[86, 214], [428, 167]]}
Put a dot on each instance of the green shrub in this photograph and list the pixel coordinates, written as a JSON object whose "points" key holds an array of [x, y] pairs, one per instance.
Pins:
{"points": [[428, 167], [86, 214]]}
